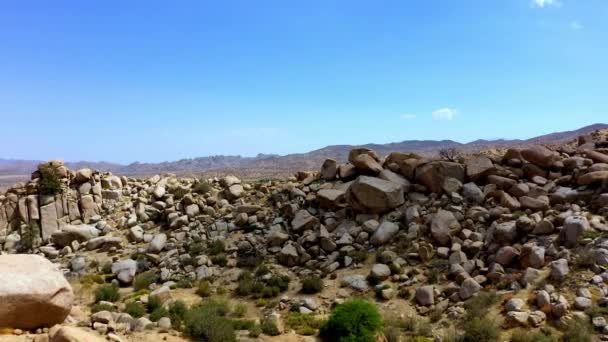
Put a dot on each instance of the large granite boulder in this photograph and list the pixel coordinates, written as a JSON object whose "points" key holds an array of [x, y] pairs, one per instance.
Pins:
{"points": [[375, 195], [33, 292]]}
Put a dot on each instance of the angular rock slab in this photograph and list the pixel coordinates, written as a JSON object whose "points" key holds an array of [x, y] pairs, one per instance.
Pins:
{"points": [[33, 292]]}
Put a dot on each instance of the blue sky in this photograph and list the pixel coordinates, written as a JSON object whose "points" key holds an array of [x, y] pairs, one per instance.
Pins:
{"points": [[152, 81]]}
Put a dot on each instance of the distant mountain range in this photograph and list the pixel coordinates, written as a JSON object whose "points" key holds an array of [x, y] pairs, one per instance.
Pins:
{"points": [[264, 165]]}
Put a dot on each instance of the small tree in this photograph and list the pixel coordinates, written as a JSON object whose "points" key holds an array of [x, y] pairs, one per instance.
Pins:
{"points": [[353, 321], [30, 237], [450, 154], [50, 183]]}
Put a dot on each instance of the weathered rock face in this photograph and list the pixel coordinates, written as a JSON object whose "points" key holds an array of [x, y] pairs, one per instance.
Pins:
{"points": [[375, 195], [69, 233], [540, 156], [33, 293], [433, 174]]}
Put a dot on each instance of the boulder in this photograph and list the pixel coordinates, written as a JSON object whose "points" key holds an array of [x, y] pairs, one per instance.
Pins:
{"points": [[478, 167], [380, 272], [125, 270], [329, 169], [33, 293], [303, 220], [425, 295], [574, 226], [540, 156], [384, 233], [331, 198], [365, 161], [69, 233], [73, 334], [593, 177], [158, 243], [432, 175], [442, 225], [374, 195]]}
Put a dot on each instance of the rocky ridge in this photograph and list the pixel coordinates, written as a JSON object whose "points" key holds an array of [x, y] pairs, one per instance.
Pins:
{"points": [[529, 220]]}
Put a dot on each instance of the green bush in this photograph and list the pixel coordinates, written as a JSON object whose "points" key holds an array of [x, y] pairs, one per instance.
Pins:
{"points": [[312, 285], [240, 310], [578, 330], [207, 322], [154, 303], [269, 328], [144, 280], [135, 309], [480, 329], [261, 286], [50, 183], [203, 289], [30, 237], [219, 260], [177, 311], [353, 321], [216, 247], [202, 187], [479, 305], [255, 331], [158, 313], [544, 335], [303, 324], [242, 324], [107, 293]]}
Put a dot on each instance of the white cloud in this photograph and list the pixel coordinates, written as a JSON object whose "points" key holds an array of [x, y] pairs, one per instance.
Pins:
{"points": [[575, 26], [545, 3], [445, 114], [408, 116]]}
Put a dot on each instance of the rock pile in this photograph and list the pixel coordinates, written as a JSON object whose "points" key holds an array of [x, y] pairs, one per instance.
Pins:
{"points": [[511, 222]]}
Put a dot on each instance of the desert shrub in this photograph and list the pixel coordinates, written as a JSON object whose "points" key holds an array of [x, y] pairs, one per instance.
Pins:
{"points": [[355, 320], [479, 305], [159, 313], [358, 257], [578, 330], [259, 286], [596, 310], [269, 327], [30, 237], [135, 309], [239, 310], [179, 192], [216, 247], [413, 326], [202, 187], [50, 183], [184, 283], [176, 312], [303, 324], [450, 154], [544, 335], [91, 279], [480, 329], [312, 285], [392, 334], [107, 293], [207, 322], [242, 324], [135, 295], [203, 289], [196, 248], [219, 260], [106, 268], [102, 307], [154, 303], [255, 331], [144, 280]]}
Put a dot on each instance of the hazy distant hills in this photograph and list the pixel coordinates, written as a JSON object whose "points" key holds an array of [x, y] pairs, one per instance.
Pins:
{"points": [[265, 165]]}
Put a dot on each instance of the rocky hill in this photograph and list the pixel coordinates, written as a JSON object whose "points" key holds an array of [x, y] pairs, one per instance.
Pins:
{"points": [[496, 247], [271, 166]]}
